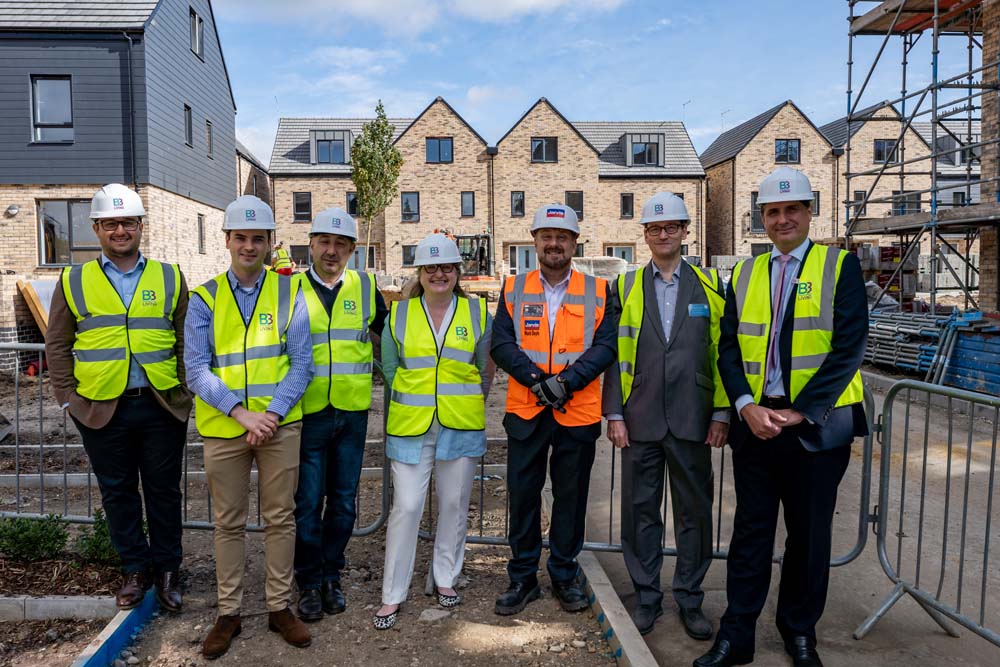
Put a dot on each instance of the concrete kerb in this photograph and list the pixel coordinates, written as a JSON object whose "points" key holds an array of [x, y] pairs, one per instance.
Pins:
{"points": [[82, 607], [627, 645], [117, 634]]}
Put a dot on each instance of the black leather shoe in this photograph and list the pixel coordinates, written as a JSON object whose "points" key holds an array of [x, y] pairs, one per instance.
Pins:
{"points": [[168, 591], [334, 601], [803, 651], [310, 605], [570, 595], [517, 596], [645, 616], [723, 655], [695, 624]]}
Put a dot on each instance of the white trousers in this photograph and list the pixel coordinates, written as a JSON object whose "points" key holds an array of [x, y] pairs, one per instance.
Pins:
{"points": [[452, 485]]}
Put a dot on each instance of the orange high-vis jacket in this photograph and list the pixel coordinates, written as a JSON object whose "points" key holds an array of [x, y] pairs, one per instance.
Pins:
{"points": [[577, 319]]}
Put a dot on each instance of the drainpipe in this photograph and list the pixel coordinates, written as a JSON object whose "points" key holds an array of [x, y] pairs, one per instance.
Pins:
{"points": [[491, 220], [131, 109]]}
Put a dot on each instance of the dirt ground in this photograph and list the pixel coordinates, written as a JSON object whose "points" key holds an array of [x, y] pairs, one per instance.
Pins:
{"points": [[45, 643]]}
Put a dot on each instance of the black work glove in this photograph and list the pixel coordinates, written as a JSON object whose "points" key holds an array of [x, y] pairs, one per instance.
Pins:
{"points": [[552, 392]]}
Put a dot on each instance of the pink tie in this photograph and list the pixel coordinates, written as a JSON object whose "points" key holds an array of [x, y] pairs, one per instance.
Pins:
{"points": [[778, 306]]}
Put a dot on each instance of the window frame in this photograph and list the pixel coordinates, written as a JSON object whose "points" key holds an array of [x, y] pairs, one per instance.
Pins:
{"points": [[188, 126], [893, 158], [201, 234], [71, 246], [37, 125], [209, 140], [413, 258], [347, 202], [545, 157], [609, 251], [472, 195], [645, 154], [438, 140], [196, 34], [330, 151], [858, 209], [788, 143], [414, 216], [631, 205], [513, 213], [814, 208], [298, 216], [579, 214], [755, 214]]}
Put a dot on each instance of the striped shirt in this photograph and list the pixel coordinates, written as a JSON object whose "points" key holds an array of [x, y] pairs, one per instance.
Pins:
{"points": [[198, 352], [125, 283]]}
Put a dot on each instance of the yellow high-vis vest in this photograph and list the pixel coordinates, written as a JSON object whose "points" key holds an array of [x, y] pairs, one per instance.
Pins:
{"points": [[428, 380], [109, 335], [282, 259], [812, 320], [341, 345], [630, 323], [250, 358]]}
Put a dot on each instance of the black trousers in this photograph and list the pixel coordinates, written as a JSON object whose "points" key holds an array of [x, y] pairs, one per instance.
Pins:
{"points": [[767, 473], [572, 455], [142, 441]]}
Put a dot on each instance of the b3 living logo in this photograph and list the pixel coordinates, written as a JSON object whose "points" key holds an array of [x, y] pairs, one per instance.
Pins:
{"points": [[265, 321], [148, 297]]}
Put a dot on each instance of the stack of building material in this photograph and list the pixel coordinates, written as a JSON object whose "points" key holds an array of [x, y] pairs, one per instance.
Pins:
{"points": [[906, 341], [971, 355], [885, 267]]}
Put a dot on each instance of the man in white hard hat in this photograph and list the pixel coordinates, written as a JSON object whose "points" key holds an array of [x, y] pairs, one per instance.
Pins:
{"points": [[554, 336], [345, 311], [666, 407], [249, 360], [793, 339], [115, 335]]}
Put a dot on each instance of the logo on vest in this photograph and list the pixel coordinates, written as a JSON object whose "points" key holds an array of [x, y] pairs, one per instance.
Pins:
{"points": [[803, 290], [532, 327], [462, 333], [148, 297], [350, 306], [265, 322], [532, 310]]}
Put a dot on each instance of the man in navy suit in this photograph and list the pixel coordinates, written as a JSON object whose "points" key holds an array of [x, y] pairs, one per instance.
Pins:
{"points": [[792, 342]]}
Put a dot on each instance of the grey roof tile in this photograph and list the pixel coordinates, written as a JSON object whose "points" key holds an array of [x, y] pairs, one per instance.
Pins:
{"points": [[679, 156], [836, 131], [728, 144], [291, 143], [75, 14]]}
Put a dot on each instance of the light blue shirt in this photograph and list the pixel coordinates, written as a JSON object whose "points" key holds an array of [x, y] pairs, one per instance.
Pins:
{"points": [[198, 351], [449, 443], [774, 385], [125, 284]]}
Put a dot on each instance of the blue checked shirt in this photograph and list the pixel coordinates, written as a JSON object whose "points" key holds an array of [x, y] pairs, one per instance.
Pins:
{"points": [[125, 284], [198, 352]]}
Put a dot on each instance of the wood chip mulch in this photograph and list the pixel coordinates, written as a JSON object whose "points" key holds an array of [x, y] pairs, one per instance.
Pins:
{"points": [[57, 577]]}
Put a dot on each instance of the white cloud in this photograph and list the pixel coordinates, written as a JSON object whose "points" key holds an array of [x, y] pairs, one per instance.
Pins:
{"points": [[355, 58], [505, 10], [478, 96]]}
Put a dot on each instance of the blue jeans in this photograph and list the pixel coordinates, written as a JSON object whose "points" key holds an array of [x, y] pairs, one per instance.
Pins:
{"points": [[333, 445]]}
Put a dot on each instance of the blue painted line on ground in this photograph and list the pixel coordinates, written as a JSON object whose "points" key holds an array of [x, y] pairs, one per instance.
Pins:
{"points": [[121, 637]]}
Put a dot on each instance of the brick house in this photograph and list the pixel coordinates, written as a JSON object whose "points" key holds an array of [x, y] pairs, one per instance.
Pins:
{"points": [[252, 176], [741, 157], [136, 94]]}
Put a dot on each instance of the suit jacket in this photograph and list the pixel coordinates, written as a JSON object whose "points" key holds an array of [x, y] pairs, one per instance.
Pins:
{"points": [[59, 339], [673, 385], [831, 427]]}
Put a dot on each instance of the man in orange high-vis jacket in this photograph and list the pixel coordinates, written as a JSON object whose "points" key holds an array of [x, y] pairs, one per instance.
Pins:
{"points": [[553, 335]]}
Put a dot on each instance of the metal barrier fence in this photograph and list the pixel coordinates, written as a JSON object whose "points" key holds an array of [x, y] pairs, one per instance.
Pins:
{"points": [[935, 529]]}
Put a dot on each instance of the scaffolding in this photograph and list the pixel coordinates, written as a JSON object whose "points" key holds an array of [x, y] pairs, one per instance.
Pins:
{"points": [[953, 103]]}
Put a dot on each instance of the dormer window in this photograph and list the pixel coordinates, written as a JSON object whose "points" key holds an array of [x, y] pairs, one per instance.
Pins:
{"points": [[330, 147], [643, 150]]}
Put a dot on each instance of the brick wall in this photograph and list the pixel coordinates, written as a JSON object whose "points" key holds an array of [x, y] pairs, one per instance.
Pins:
{"points": [[719, 209], [989, 294], [246, 173], [171, 234]]}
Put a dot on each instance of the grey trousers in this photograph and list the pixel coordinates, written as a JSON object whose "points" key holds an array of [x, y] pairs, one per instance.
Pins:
{"points": [[691, 486]]}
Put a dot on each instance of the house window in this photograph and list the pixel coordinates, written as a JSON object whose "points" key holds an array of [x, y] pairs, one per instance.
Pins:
{"points": [[904, 203], [885, 151], [330, 151], [188, 127], [352, 203], [51, 109], [302, 206], [438, 149], [197, 34], [544, 149], [958, 199], [468, 204], [628, 201], [579, 250], [201, 234], [759, 248], [66, 232], [625, 252], [644, 153], [684, 248], [756, 222], [300, 255], [860, 208], [208, 136], [815, 203], [517, 204], [357, 260], [786, 151], [409, 254], [410, 205], [254, 185], [574, 199], [708, 190]]}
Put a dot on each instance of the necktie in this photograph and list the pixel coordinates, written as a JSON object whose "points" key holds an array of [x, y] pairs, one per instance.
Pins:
{"points": [[778, 314]]}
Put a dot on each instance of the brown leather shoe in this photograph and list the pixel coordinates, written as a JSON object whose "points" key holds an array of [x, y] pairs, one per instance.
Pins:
{"points": [[291, 628], [133, 590], [168, 591], [221, 636]]}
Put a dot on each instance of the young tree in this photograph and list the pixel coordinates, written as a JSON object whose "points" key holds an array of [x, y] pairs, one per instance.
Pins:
{"points": [[375, 165]]}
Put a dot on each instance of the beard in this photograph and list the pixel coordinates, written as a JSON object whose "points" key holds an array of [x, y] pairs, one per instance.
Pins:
{"points": [[554, 263]]}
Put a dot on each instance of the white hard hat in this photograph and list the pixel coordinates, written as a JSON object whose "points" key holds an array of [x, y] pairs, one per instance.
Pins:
{"points": [[248, 212], [334, 221], [784, 184], [116, 201], [436, 249], [664, 207], [555, 216]]}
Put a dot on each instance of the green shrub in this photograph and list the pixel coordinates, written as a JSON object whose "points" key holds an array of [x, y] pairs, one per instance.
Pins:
{"points": [[94, 542], [33, 539]]}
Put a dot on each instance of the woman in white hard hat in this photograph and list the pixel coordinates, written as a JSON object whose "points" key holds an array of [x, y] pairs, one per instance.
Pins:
{"points": [[436, 359]]}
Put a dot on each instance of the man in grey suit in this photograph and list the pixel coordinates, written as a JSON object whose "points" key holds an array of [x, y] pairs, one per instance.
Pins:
{"points": [[666, 406]]}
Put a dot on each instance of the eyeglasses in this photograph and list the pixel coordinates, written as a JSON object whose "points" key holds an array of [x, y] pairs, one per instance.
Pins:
{"points": [[112, 225], [443, 268], [671, 230]]}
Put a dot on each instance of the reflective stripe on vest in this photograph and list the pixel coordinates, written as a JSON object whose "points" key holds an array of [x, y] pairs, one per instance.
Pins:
{"points": [[110, 335], [428, 381], [579, 315], [250, 358], [341, 345], [812, 319], [630, 325]]}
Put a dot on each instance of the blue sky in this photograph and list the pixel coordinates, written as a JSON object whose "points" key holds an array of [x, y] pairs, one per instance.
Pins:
{"points": [[711, 64]]}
